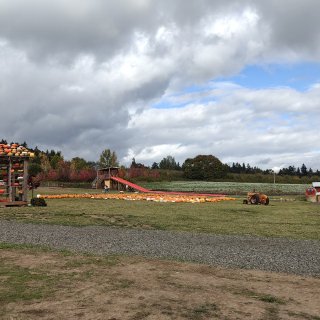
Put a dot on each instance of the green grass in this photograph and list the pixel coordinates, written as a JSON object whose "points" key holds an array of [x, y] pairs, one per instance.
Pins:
{"points": [[18, 283], [226, 187], [260, 296], [292, 219]]}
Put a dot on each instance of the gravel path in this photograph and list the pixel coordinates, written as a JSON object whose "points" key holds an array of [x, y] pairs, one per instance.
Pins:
{"points": [[270, 254]]}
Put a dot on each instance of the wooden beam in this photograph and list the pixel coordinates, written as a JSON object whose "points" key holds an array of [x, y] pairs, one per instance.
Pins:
{"points": [[10, 180], [25, 180], [13, 204]]}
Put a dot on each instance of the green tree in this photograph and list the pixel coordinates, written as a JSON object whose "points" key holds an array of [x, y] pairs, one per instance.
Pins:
{"points": [[204, 167], [34, 169], [37, 154], [155, 166], [168, 163], [44, 163], [78, 164], [55, 160], [108, 158], [304, 170]]}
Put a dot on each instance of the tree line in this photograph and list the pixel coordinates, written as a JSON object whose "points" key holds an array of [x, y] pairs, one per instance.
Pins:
{"points": [[51, 166], [302, 171]]}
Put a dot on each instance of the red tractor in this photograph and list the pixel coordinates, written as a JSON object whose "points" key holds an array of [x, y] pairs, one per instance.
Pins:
{"points": [[256, 198]]}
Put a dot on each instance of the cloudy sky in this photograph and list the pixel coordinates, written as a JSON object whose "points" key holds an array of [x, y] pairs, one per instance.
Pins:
{"points": [[237, 79]]}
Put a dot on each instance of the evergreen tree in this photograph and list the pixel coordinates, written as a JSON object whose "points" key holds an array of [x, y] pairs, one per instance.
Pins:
{"points": [[155, 166], [304, 170], [298, 172]]}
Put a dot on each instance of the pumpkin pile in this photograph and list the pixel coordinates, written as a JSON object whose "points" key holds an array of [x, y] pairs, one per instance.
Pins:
{"points": [[140, 196], [14, 150]]}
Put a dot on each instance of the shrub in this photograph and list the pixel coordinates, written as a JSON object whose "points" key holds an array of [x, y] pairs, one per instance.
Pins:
{"points": [[38, 202]]}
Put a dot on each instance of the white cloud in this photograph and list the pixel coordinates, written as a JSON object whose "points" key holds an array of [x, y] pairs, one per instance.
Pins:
{"points": [[230, 26], [85, 75], [243, 125]]}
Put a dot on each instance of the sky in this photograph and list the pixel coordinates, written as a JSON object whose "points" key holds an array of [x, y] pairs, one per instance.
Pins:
{"points": [[238, 79]]}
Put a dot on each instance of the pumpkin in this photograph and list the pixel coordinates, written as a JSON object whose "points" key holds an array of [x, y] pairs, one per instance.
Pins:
{"points": [[15, 150], [140, 196]]}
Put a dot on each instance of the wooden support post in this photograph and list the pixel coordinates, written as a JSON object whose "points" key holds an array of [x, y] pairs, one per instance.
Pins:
{"points": [[25, 180], [10, 181], [6, 167]]}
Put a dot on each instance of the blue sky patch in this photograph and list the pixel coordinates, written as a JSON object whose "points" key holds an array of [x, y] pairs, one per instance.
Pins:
{"points": [[297, 76]]}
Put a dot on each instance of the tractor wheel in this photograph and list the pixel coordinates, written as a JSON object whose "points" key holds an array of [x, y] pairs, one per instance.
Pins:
{"points": [[254, 199], [267, 201], [245, 201]]}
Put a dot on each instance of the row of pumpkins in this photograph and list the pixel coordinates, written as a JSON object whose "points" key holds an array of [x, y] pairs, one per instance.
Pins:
{"points": [[140, 196], [15, 150]]}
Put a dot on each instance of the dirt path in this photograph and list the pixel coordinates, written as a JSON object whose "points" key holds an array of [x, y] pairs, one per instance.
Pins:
{"points": [[269, 254]]}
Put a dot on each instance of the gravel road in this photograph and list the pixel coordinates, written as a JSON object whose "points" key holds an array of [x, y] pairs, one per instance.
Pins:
{"points": [[270, 254]]}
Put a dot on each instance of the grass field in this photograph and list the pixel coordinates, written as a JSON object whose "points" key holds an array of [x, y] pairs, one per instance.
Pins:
{"points": [[293, 218], [231, 188]]}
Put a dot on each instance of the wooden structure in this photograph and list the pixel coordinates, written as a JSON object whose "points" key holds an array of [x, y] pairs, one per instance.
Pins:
{"points": [[104, 181], [13, 180]]}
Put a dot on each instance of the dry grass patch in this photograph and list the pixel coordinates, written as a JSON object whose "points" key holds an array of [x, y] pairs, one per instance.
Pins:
{"points": [[37, 284]]}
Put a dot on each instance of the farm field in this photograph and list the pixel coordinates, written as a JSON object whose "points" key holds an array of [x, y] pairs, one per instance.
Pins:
{"points": [[40, 283], [230, 188], [288, 216], [43, 284]]}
